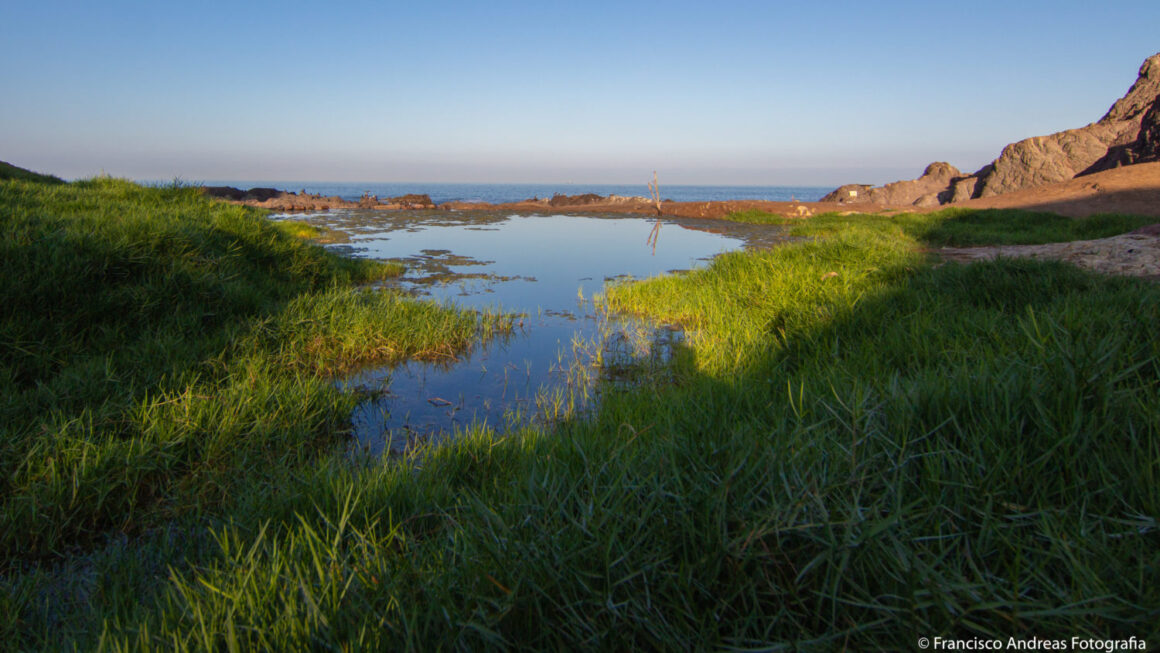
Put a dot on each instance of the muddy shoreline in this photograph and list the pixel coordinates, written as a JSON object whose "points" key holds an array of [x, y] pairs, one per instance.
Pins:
{"points": [[286, 201]]}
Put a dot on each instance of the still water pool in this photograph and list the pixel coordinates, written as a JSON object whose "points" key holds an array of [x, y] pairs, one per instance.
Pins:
{"points": [[545, 268]]}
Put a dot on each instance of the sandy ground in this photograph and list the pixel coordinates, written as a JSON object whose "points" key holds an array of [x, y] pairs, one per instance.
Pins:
{"points": [[1135, 254], [1132, 190]]}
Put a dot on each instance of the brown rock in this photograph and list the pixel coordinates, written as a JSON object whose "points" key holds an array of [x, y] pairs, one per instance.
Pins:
{"points": [[224, 192], [1129, 133], [412, 201], [1147, 145], [848, 193], [263, 194], [935, 180], [1141, 96], [1054, 158], [963, 189], [930, 199], [1102, 145], [574, 200]]}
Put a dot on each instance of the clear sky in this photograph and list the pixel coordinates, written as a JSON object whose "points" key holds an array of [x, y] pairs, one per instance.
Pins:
{"points": [[770, 93]]}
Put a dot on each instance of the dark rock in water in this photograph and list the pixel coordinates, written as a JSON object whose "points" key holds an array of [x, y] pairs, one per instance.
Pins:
{"points": [[575, 200], [262, 194], [224, 192], [412, 201], [239, 195]]}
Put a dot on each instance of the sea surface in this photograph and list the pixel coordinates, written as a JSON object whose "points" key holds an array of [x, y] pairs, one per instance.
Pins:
{"points": [[499, 193]]}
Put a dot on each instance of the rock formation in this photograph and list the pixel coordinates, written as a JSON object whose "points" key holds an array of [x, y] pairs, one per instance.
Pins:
{"points": [[1147, 145], [927, 190], [1129, 133], [279, 200]]}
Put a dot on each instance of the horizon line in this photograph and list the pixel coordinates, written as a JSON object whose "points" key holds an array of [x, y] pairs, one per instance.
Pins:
{"points": [[455, 183]]}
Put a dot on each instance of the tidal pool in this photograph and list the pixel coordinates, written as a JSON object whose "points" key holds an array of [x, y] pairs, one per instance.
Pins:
{"points": [[545, 268]]}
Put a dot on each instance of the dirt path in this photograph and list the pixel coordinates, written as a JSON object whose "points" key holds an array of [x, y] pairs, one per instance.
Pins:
{"points": [[1135, 254], [1132, 190]]}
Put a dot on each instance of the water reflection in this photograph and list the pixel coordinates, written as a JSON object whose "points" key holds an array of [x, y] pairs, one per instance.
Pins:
{"points": [[545, 268]]}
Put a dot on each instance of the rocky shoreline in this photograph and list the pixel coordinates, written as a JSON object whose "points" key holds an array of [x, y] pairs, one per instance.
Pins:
{"points": [[280, 200]]}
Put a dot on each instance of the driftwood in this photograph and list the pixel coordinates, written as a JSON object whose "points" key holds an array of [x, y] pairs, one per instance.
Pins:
{"points": [[654, 190]]}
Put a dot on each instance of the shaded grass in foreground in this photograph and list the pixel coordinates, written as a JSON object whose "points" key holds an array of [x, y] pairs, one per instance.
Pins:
{"points": [[853, 450]]}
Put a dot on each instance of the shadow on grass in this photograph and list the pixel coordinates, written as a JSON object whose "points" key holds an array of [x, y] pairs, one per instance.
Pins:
{"points": [[970, 453]]}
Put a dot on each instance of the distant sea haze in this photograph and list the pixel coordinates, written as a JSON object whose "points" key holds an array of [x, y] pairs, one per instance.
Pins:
{"points": [[500, 193]]}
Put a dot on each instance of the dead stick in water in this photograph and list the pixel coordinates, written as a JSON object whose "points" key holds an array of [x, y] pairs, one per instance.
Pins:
{"points": [[654, 189]]}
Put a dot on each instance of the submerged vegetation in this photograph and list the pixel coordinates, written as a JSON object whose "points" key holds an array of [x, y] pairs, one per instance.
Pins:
{"points": [[853, 447]]}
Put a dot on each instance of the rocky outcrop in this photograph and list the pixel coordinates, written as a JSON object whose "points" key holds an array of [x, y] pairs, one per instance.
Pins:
{"points": [[1128, 133], [280, 200], [1147, 145], [1145, 148], [588, 199], [930, 189], [1058, 157], [1105, 144], [1141, 96], [412, 201]]}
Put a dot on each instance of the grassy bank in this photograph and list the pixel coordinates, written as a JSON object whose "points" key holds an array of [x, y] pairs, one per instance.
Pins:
{"points": [[160, 353], [852, 449], [957, 227]]}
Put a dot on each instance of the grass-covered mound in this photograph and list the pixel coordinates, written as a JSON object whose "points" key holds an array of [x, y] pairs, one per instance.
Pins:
{"points": [[9, 171], [853, 449], [158, 348]]}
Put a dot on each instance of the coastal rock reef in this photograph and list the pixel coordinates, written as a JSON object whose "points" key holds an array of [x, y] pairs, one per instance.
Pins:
{"points": [[280, 200], [1129, 133]]}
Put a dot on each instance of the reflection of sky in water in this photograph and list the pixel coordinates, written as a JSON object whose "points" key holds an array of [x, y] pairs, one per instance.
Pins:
{"points": [[535, 265], [563, 254]]}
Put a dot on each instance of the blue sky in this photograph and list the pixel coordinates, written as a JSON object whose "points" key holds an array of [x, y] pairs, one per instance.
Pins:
{"points": [[722, 92]]}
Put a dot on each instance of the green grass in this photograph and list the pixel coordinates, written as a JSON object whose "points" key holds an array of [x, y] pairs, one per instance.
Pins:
{"points": [[159, 348], [956, 227], [9, 171], [757, 216], [852, 449]]}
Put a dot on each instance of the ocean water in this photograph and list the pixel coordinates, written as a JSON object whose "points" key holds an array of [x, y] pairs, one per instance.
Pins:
{"points": [[498, 193]]}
